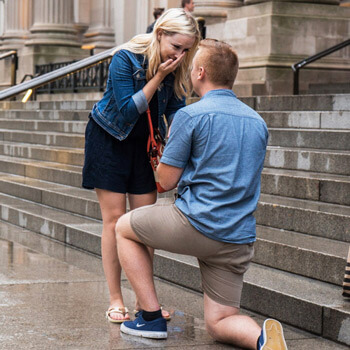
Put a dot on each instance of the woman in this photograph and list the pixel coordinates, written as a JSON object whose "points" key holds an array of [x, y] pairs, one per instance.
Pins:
{"points": [[149, 70]]}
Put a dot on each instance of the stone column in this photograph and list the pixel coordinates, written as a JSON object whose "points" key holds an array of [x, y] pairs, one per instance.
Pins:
{"points": [[101, 29], [53, 37], [16, 23], [53, 23], [215, 10], [2, 18]]}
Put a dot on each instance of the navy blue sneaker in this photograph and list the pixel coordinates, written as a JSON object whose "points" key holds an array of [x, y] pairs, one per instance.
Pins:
{"points": [[156, 329], [272, 337]]}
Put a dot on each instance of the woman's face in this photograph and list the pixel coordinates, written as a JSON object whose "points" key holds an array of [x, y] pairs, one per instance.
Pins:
{"points": [[172, 46]]}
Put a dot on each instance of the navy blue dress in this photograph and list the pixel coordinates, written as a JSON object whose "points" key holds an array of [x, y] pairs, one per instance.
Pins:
{"points": [[119, 166]]}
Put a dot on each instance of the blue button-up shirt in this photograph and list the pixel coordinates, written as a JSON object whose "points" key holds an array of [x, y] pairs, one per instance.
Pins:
{"points": [[124, 101], [221, 143]]}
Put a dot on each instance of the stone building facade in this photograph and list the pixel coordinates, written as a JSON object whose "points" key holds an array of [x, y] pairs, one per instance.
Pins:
{"points": [[269, 36]]}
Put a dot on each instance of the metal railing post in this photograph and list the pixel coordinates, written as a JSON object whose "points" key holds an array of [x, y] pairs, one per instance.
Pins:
{"points": [[14, 66], [295, 81], [306, 61]]}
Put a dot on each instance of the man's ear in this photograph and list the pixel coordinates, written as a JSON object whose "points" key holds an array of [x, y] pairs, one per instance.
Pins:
{"points": [[201, 73]]}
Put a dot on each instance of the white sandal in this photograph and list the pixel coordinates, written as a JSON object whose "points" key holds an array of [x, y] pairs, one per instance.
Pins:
{"points": [[119, 310]]}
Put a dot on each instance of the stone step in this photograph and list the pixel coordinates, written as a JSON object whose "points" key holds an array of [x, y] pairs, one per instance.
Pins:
{"points": [[38, 114], [307, 119], [70, 156], [315, 160], [287, 183], [74, 127], [302, 302], [310, 138], [310, 217], [48, 105], [305, 253], [335, 102], [274, 119], [70, 199], [64, 174], [57, 224], [306, 185], [301, 254], [43, 138]]}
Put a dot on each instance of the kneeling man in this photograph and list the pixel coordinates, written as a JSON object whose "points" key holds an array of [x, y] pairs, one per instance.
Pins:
{"points": [[215, 155]]}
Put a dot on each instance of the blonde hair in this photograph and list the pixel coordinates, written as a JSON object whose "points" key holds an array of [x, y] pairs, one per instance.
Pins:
{"points": [[174, 21]]}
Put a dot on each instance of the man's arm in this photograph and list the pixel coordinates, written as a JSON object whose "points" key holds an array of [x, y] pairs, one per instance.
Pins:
{"points": [[168, 176]]}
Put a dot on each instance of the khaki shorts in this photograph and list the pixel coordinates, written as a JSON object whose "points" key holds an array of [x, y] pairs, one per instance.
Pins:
{"points": [[222, 265]]}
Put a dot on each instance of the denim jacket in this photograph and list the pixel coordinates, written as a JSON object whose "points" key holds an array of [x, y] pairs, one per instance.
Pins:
{"points": [[124, 101]]}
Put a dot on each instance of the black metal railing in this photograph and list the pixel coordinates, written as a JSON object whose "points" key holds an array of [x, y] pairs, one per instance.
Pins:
{"points": [[91, 78], [71, 69], [14, 64], [297, 66]]}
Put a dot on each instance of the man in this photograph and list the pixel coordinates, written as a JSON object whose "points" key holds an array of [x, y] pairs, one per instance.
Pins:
{"points": [[158, 11], [215, 155], [187, 5]]}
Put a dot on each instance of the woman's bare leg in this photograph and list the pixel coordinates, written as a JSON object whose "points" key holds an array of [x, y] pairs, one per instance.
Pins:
{"points": [[113, 206], [137, 201]]}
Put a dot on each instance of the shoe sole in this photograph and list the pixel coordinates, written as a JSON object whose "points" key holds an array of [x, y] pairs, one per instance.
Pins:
{"points": [[273, 333], [144, 334]]}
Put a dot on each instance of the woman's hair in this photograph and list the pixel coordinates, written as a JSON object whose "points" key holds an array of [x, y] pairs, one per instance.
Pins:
{"points": [[174, 21]]}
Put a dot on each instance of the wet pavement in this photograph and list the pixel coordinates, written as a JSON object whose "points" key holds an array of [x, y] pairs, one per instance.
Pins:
{"points": [[54, 296]]}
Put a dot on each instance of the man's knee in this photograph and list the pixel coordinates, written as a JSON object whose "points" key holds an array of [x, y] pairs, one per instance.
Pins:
{"points": [[122, 226]]}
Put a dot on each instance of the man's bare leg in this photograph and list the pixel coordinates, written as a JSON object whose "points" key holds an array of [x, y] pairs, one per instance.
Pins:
{"points": [[226, 325], [137, 264]]}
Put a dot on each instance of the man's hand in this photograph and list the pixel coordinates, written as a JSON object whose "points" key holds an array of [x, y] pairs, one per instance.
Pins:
{"points": [[168, 176]]}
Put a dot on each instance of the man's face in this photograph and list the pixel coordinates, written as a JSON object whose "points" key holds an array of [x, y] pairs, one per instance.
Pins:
{"points": [[190, 6]]}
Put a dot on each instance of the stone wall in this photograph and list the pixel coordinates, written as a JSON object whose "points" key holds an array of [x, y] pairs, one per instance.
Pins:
{"points": [[269, 36]]}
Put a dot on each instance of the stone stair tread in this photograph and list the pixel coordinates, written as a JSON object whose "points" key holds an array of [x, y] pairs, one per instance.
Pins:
{"points": [[328, 208], [41, 163], [309, 130], [68, 115], [35, 125], [48, 186], [305, 149], [49, 105], [313, 291], [306, 174], [44, 147], [89, 225], [51, 133], [303, 241]]}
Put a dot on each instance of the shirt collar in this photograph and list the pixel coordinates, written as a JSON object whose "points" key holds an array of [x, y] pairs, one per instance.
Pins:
{"points": [[219, 92]]}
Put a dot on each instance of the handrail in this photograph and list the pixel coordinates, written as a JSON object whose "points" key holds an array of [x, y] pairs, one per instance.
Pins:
{"points": [[297, 66], [8, 54], [55, 75], [14, 64]]}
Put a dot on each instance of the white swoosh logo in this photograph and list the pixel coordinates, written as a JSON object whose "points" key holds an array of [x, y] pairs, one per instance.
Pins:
{"points": [[140, 325]]}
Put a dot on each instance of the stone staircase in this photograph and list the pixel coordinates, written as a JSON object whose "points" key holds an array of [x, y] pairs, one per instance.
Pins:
{"points": [[303, 214]]}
